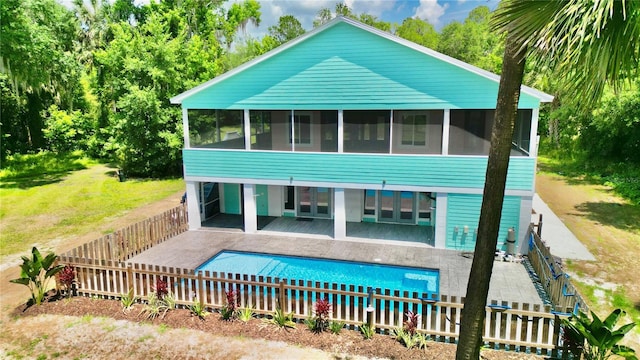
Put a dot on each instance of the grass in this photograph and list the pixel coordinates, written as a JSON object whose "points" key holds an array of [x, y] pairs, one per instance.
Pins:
{"points": [[80, 196]]}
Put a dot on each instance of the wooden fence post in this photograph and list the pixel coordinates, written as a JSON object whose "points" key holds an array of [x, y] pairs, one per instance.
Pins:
{"points": [[200, 289], [130, 279], [281, 297]]}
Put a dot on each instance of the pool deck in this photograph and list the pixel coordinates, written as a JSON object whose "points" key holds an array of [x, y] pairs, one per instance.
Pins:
{"points": [[509, 281]]}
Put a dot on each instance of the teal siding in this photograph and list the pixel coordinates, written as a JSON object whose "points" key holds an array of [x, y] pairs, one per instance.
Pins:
{"points": [[434, 171], [463, 209], [232, 202], [345, 67], [262, 200]]}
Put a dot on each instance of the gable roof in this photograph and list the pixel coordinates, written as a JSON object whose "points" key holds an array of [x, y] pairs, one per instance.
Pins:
{"points": [[361, 60]]}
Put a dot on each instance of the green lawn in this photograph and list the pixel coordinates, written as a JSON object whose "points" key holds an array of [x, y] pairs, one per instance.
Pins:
{"points": [[40, 207]]}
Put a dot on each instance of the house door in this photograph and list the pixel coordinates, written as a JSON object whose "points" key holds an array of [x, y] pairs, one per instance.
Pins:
{"points": [[396, 206], [314, 202], [210, 200]]}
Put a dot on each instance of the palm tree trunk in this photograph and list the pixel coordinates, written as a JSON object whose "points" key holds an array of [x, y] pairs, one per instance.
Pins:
{"points": [[491, 211]]}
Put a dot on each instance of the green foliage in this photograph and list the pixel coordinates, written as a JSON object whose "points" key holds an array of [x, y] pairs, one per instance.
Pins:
{"points": [[367, 330], [310, 322], [23, 167], [336, 326], [245, 314], [127, 300], [36, 272], [67, 131], [601, 336], [410, 340], [419, 31], [280, 319], [197, 309], [156, 306], [287, 28]]}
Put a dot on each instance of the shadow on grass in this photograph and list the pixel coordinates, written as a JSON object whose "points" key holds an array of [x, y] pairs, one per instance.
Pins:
{"points": [[26, 183], [571, 174], [621, 216]]}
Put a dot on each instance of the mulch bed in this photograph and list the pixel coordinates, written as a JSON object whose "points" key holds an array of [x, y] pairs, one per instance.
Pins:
{"points": [[347, 342]]}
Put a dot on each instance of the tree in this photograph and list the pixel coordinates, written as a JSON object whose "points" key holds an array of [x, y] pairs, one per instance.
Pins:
{"points": [[288, 28], [419, 31], [238, 16], [568, 35], [342, 9]]}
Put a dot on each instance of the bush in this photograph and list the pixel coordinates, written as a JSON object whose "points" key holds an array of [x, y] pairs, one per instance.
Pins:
{"points": [[36, 273], [67, 131]]}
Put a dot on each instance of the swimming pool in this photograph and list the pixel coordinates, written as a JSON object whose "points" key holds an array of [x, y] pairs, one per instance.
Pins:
{"points": [[333, 271]]}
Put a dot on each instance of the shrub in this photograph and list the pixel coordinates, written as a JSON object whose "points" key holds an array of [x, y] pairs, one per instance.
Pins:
{"points": [[336, 326], [228, 311], [280, 319], [161, 288], [127, 300], [411, 324], [408, 335], [602, 339], [197, 309], [36, 272], [245, 314], [66, 276], [155, 307], [322, 308], [367, 330]]}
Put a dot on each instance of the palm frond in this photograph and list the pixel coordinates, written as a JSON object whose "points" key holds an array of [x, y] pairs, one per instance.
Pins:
{"points": [[588, 43]]}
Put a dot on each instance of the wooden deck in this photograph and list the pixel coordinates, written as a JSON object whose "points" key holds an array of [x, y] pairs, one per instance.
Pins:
{"points": [[509, 282]]}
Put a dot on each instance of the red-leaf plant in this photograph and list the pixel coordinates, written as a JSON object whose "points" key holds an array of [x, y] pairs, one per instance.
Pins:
{"points": [[233, 300], [161, 288], [411, 324], [322, 309], [66, 277]]}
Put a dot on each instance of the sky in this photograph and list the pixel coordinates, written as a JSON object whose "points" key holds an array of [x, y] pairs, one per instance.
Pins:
{"points": [[437, 12]]}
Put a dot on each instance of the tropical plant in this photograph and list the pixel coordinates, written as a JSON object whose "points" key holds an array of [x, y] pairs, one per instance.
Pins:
{"points": [[280, 319], [408, 335], [155, 307], [198, 309], [336, 326], [310, 322], [36, 272], [245, 314], [322, 309], [161, 288], [367, 330], [228, 311], [601, 336], [590, 43], [66, 276], [127, 300]]}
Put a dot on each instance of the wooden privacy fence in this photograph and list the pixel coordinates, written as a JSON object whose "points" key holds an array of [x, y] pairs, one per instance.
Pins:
{"points": [[520, 327], [556, 283], [125, 243]]}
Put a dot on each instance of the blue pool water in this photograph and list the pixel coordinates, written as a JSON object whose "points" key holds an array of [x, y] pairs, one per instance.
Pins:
{"points": [[332, 271]]}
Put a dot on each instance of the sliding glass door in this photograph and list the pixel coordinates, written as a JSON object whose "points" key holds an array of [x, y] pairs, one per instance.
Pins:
{"points": [[314, 202]]}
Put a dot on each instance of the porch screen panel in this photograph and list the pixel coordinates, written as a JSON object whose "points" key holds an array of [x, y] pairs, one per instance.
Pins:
{"points": [[367, 131], [220, 129], [522, 130], [417, 131], [470, 132]]}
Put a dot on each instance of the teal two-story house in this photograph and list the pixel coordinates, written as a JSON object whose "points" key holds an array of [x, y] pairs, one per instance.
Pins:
{"points": [[354, 127]]}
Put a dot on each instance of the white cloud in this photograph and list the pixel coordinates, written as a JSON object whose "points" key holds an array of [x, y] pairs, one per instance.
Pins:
{"points": [[431, 11]]}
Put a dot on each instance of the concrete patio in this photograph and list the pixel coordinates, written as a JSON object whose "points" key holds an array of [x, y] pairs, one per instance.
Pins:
{"points": [[509, 282]]}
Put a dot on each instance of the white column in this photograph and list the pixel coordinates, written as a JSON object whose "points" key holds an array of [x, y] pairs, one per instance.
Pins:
{"points": [[522, 243], [185, 128], [247, 130], [193, 204], [441, 221], [446, 125], [293, 132], [391, 132], [339, 215], [533, 135], [250, 210], [340, 131]]}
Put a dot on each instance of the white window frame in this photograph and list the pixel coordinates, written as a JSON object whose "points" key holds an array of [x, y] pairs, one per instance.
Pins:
{"points": [[292, 132], [403, 124]]}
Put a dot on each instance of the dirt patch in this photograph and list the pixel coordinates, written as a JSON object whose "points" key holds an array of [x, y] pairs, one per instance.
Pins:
{"points": [[610, 228], [95, 328]]}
